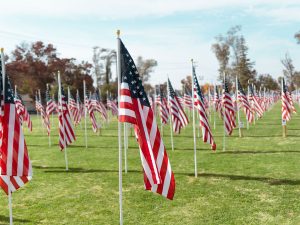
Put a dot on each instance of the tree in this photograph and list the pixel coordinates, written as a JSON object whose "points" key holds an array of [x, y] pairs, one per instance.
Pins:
{"points": [[33, 66], [145, 68], [297, 36], [267, 81], [109, 58], [187, 83], [222, 53], [289, 69], [97, 65]]}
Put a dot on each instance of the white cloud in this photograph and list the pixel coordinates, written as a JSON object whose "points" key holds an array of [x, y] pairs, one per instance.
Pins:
{"points": [[116, 9]]}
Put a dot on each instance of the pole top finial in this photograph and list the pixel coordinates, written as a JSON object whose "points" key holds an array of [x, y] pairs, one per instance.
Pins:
{"points": [[2, 49], [192, 60], [118, 33]]}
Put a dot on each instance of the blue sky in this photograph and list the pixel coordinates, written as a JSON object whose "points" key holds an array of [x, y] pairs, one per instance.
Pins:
{"points": [[172, 32]]}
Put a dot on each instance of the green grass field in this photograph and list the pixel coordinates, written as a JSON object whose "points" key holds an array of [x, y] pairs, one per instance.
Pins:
{"points": [[255, 181]]}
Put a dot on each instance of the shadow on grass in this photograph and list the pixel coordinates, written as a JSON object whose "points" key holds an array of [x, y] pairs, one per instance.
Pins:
{"points": [[268, 180], [60, 169], [257, 152], [5, 219]]}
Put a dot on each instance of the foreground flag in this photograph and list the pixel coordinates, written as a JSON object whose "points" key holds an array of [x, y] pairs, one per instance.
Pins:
{"points": [[241, 95], [135, 109], [15, 165], [228, 110], [286, 107], [200, 106], [179, 117], [66, 130]]}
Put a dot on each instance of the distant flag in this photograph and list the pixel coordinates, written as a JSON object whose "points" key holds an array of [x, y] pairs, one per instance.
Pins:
{"points": [[255, 103], [199, 105], [179, 117], [72, 106], [242, 97], [228, 109], [111, 104], [90, 109], [22, 111], [50, 103], [187, 99], [286, 105], [66, 130], [163, 105], [217, 101], [78, 111], [40, 108], [135, 108], [98, 105], [15, 165]]}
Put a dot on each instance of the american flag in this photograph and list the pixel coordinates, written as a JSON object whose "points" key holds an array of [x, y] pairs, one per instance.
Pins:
{"points": [[187, 98], [135, 109], [77, 112], [217, 101], [179, 117], [199, 104], [50, 104], [98, 105], [228, 110], [90, 108], [45, 117], [286, 107], [112, 105], [66, 130], [253, 98], [15, 165], [72, 106], [242, 97], [22, 111], [291, 102], [163, 105]]}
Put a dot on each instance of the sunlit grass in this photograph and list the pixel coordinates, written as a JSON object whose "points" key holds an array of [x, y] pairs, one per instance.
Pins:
{"points": [[255, 181]]}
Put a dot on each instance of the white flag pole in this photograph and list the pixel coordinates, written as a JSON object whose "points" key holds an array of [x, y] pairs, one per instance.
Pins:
{"points": [[85, 113], [125, 146], [194, 126], [224, 136], [8, 177], [237, 106], [250, 103], [214, 107], [63, 124], [49, 137], [119, 126], [170, 114], [40, 100], [52, 113]]}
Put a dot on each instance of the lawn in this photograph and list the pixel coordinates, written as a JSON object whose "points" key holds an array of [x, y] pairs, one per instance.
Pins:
{"points": [[255, 181]]}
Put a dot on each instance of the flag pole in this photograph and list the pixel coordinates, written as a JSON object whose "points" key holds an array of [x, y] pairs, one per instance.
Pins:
{"points": [[85, 113], [119, 127], [52, 113], [49, 137], [194, 126], [60, 101], [283, 121], [171, 122], [250, 103], [224, 136], [40, 100], [8, 177], [214, 107], [237, 107], [125, 146]]}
